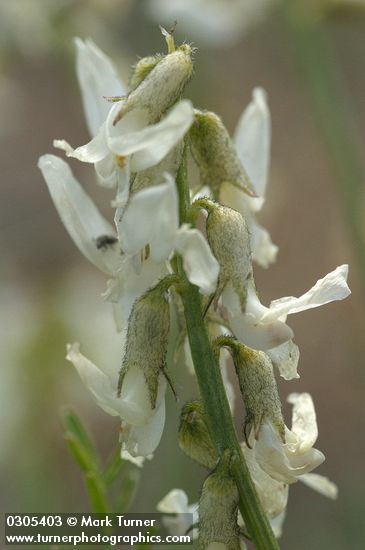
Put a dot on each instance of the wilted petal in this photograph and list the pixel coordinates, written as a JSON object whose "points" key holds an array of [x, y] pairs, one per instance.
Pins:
{"points": [[252, 140], [136, 460], [79, 214], [98, 79], [304, 423], [149, 145], [151, 217], [285, 357], [332, 287], [320, 484], [201, 267], [93, 151]]}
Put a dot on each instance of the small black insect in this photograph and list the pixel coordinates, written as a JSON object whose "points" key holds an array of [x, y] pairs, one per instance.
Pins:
{"points": [[104, 241]]}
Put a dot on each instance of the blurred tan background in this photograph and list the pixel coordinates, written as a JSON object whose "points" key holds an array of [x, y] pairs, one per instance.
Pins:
{"points": [[50, 295]]}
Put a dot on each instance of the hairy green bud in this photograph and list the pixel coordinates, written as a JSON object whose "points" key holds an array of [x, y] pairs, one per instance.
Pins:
{"points": [[143, 68], [162, 86], [218, 509], [147, 338], [194, 437], [229, 241], [216, 155], [258, 387]]}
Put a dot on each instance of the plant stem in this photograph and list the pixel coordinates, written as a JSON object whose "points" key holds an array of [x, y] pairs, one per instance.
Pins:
{"points": [[214, 397], [326, 85]]}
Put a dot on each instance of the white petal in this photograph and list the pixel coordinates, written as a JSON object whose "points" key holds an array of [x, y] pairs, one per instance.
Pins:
{"points": [[96, 381], [253, 139], [93, 151], [151, 217], [264, 251], [201, 267], [106, 171], [320, 484], [304, 423], [247, 327], [152, 143], [273, 494], [98, 79], [136, 460], [277, 523], [278, 461], [285, 357], [271, 456], [224, 362], [143, 440], [332, 287], [128, 286], [79, 214], [136, 396], [175, 502]]}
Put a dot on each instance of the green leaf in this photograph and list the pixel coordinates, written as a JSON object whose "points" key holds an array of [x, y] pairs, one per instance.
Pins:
{"points": [[77, 433], [114, 467], [128, 490], [97, 493], [80, 455]]}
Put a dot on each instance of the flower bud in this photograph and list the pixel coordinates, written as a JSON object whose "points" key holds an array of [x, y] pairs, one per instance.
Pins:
{"points": [[162, 86], [194, 437], [143, 68], [147, 339], [258, 388], [218, 509], [216, 156], [229, 240]]}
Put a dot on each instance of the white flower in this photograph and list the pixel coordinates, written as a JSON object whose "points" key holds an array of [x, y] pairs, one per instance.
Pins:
{"points": [[176, 502], [79, 214], [151, 218], [252, 140], [130, 145], [142, 426], [265, 328], [287, 462]]}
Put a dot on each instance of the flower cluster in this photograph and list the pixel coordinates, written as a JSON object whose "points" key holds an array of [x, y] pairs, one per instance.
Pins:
{"points": [[145, 139]]}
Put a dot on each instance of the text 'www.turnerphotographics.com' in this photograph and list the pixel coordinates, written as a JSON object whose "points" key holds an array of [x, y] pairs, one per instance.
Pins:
{"points": [[89, 529]]}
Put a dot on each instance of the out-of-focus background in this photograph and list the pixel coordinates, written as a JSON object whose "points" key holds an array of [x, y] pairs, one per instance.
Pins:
{"points": [[50, 295]]}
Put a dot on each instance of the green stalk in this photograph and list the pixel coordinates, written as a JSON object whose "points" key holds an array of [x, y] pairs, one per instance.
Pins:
{"points": [[214, 397], [326, 85]]}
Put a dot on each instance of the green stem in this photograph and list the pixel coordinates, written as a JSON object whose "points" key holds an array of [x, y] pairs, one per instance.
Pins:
{"points": [[326, 86], [214, 398]]}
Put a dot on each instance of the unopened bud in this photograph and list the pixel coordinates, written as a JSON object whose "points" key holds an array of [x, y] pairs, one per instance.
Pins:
{"points": [[143, 68], [229, 240], [258, 388], [216, 156], [194, 437], [147, 339], [218, 509], [162, 85]]}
